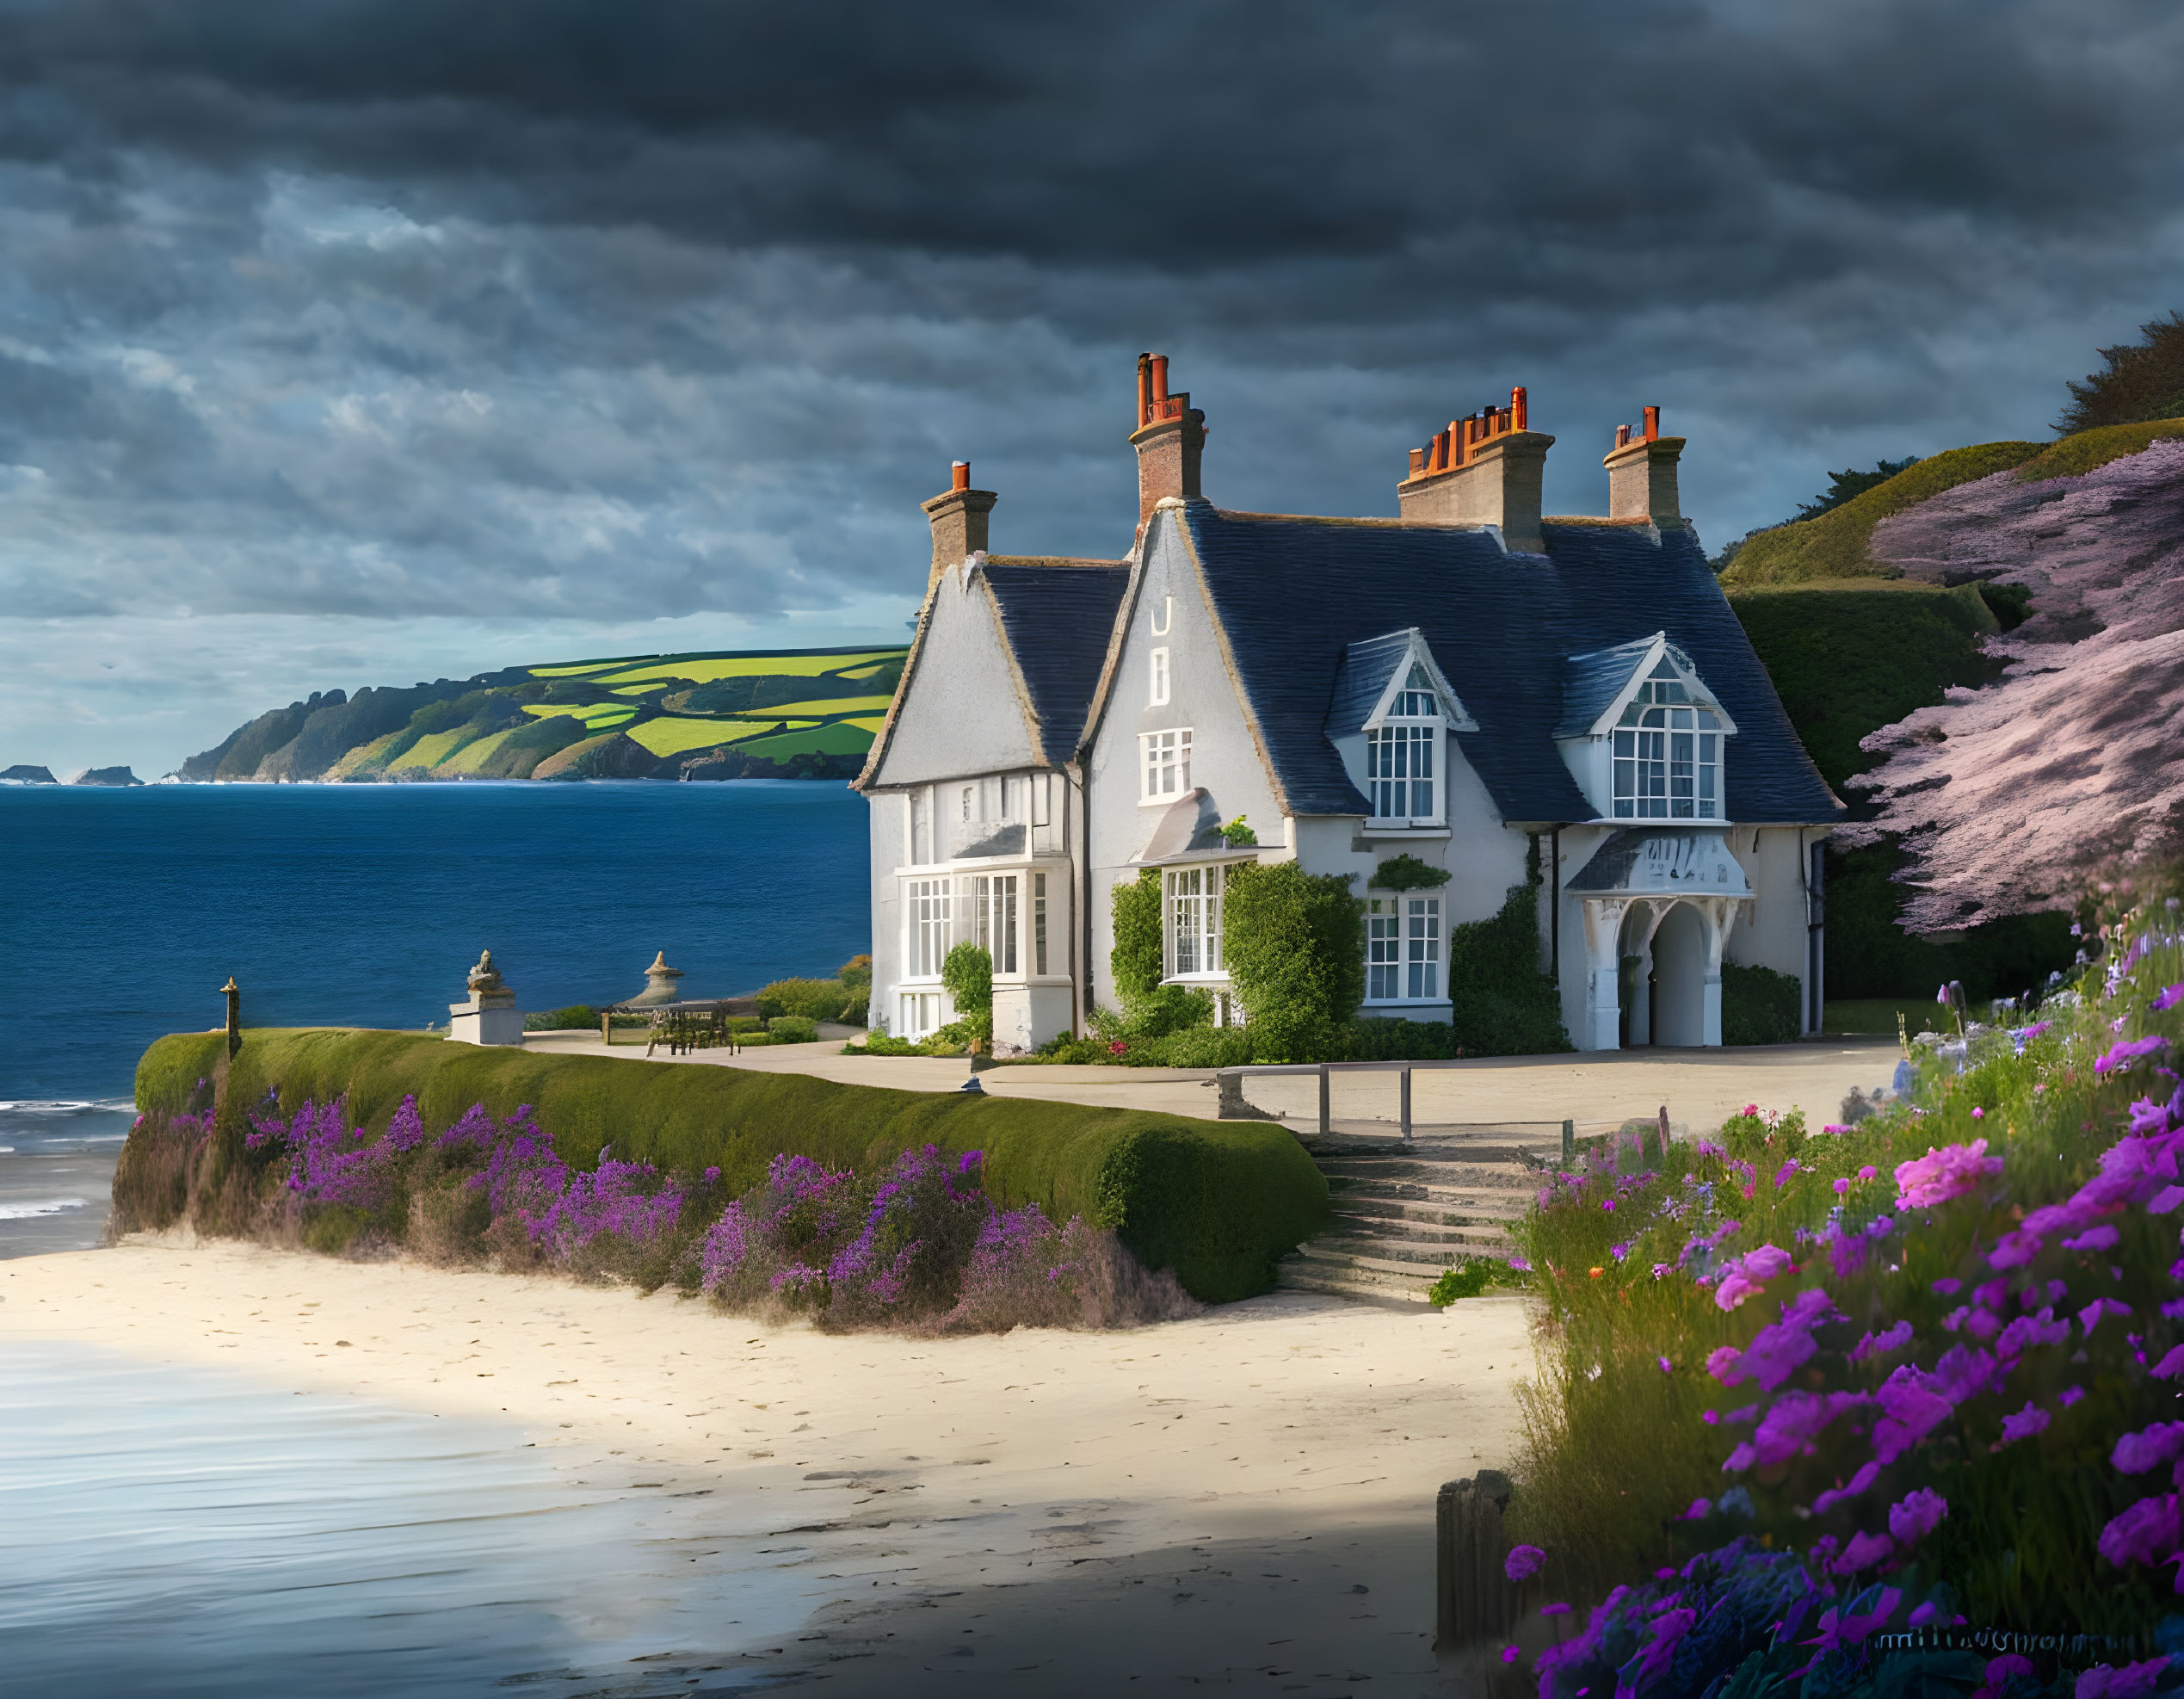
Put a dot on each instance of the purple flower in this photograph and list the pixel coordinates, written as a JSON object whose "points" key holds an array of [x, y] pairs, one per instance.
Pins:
{"points": [[1863, 1550], [1912, 1407], [2170, 997], [1523, 1562], [1914, 1515], [1725, 1365], [2002, 1671], [2131, 1681], [1964, 1372], [1563, 1610], [2070, 1395], [2031, 1420], [1868, 1472], [1782, 1174], [2027, 1330], [1940, 1175], [2146, 1532], [2171, 1365], [2125, 1051], [1879, 1345], [2102, 1237], [2148, 1448], [2015, 1249], [1841, 1187], [2090, 1317], [1669, 1367]]}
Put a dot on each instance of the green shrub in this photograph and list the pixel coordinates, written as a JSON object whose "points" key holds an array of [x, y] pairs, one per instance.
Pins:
{"points": [[813, 999], [1207, 1048], [1295, 945], [967, 976], [856, 973], [791, 1029], [1138, 958], [757, 1038], [1759, 1005], [1379, 1039], [1407, 873], [1469, 1277], [1220, 1202], [1501, 1003]]}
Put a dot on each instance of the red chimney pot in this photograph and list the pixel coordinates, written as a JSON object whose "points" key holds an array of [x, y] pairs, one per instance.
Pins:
{"points": [[1652, 424], [960, 475]]}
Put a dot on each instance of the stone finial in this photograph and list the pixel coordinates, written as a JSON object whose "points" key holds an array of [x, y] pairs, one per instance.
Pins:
{"points": [[485, 977], [659, 983]]}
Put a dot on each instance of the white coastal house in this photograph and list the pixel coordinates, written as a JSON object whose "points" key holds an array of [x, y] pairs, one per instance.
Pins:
{"points": [[1462, 684]]}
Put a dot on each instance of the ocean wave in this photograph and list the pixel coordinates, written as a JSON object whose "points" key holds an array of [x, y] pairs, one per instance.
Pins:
{"points": [[35, 1106], [49, 1206]]}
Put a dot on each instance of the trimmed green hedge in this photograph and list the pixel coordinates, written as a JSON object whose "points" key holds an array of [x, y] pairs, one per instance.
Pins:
{"points": [[1759, 1005], [1220, 1202]]}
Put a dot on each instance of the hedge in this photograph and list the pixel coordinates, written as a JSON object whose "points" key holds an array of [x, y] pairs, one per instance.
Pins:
{"points": [[1220, 1203]]}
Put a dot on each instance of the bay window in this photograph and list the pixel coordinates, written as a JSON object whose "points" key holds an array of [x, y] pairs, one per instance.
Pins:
{"points": [[1193, 916], [926, 906], [993, 908]]}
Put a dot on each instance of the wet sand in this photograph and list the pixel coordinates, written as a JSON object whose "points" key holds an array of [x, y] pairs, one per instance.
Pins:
{"points": [[1243, 1497]]}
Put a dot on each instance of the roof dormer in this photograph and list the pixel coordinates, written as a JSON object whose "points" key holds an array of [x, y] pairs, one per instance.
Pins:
{"points": [[1643, 735], [1392, 711]]}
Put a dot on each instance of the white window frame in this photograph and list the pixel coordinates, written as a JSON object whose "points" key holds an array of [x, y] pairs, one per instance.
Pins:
{"points": [[1190, 923], [1409, 732], [929, 906], [1158, 684], [996, 904], [1039, 925], [1164, 765], [1404, 950], [1666, 752]]}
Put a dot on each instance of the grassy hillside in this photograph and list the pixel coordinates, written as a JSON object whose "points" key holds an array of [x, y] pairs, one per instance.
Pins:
{"points": [[1836, 544], [758, 714]]}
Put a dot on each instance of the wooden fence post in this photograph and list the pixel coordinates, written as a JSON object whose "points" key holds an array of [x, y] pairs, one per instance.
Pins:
{"points": [[1568, 1143], [1326, 1122], [1406, 1102], [1473, 1598]]}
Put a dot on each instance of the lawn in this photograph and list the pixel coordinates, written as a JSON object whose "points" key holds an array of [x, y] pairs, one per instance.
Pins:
{"points": [[670, 736], [1878, 1015], [739, 666]]}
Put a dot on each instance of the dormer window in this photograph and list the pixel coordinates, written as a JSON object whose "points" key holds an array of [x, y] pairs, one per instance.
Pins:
{"points": [[1668, 754], [1403, 755]]}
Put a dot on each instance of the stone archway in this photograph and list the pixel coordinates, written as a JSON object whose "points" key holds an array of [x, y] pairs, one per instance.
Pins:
{"points": [[1656, 908]]}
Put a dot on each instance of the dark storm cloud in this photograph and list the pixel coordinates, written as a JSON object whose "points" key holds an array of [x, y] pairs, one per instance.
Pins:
{"points": [[595, 312]]}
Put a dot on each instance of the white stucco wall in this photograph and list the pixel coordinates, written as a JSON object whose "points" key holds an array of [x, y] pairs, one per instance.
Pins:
{"points": [[1774, 859]]}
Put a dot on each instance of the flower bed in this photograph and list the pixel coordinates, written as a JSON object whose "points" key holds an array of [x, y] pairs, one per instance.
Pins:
{"points": [[1803, 1388]]}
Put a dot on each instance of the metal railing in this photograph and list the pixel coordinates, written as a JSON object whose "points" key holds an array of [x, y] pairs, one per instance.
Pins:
{"points": [[1228, 1083]]}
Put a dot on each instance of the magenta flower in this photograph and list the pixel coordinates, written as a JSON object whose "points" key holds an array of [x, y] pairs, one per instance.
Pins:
{"points": [[1912, 1407], [1668, 1368], [2170, 997], [1783, 1173], [1914, 1515], [2002, 1671], [2015, 1249], [1978, 1114], [2070, 1395], [1869, 1172], [2031, 1420], [1563, 1610], [1510, 1654], [1725, 1365], [1879, 1345], [1523, 1562], [1841, 1187], [1699, 1510], [2102, 1237], [2171, 1365], [1940, 1175], [2090, 1317]]}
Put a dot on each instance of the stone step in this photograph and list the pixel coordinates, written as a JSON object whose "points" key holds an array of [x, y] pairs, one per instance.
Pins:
{"points": [[1432, 1173], [1340, 1283], [1441, 1204], [1394, 1258], [1399, 1229]]}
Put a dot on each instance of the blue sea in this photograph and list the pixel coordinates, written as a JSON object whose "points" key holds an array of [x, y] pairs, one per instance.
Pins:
{"points": [[123, 912]]}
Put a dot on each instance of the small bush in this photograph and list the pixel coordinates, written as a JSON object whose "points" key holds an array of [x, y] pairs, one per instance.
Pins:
{"points": [[1138, 958], [967, 976], [1758, 1005], [1469, 1278], [577, 1017], [812, 999], [1208, 1047], [1381, 1039], [791, 1029]]}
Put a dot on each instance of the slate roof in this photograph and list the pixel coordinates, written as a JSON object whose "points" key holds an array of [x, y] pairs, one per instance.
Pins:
{"points": [[1058, 620], [1362, 680], [1593, 681], [1293, 594]]}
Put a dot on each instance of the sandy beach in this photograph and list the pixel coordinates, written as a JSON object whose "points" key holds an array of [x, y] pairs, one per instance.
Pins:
{"points": [[1245, 1496]]}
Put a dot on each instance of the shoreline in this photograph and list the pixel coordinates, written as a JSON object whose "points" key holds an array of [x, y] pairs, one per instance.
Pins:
{"points": [[1205, 1498]]}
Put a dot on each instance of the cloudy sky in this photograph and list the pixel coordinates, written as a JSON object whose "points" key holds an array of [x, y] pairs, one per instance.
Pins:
{"points": [[367, 342]]}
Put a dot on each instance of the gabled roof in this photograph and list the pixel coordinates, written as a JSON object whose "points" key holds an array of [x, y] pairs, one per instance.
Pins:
{"points": [[1292, 595], [1595, 685], [1368, 668], [1057, 619]]}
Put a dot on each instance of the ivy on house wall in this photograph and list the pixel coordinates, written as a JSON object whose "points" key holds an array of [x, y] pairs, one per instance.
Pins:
{"points": [[1501, 1003], [1294, 946], [1407, 873], [1137, 959]]}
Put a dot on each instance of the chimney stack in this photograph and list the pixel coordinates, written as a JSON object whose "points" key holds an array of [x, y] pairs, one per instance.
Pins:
{"points": [[1169, 438], [958, 519], [1485, 469], [1642, 473]]}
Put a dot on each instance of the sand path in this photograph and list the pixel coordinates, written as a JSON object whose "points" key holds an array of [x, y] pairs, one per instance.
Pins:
{"points": [[1702, 1088], [1245, 1496]]}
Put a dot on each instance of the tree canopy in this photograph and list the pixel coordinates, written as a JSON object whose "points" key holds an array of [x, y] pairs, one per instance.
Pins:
{"points": [[2139, 382]]}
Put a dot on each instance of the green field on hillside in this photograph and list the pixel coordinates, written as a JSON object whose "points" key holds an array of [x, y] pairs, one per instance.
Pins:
{"points": [[795, 713]]}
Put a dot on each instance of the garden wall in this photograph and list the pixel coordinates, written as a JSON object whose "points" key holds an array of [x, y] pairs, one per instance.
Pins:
{"points": [[1219, 1203]]}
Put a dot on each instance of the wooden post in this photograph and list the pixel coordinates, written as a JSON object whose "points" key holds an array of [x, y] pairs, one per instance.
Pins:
{"points": [[606, 1028], [234, 994], [1473, 1598], [1326, 1122], [1568, 1143], [1406, 1102], [1661, 1156]]}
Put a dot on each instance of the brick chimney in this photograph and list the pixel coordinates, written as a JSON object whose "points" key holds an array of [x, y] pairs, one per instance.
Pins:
{"points": [[959, 521], [1642, 473], [1484, 470], [1171, 439]]}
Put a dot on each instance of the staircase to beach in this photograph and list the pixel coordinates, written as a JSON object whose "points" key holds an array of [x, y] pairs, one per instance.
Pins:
{"points": [[1405, 1210]]}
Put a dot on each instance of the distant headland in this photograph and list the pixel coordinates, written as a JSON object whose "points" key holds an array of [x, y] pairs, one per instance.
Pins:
{"points": [[790, 713]]}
